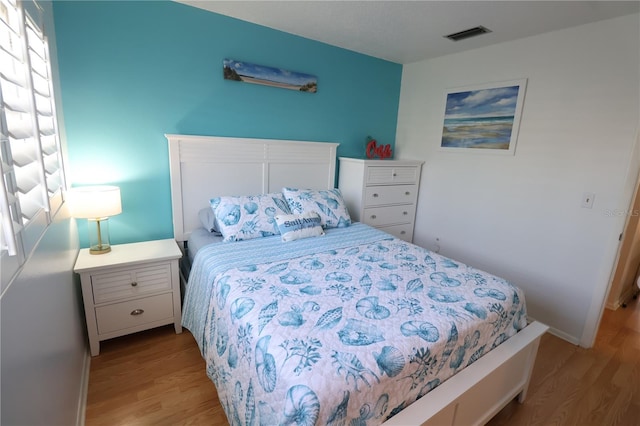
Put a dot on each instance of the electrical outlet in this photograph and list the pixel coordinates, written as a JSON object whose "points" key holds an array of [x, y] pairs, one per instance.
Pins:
{"points": [[587, 200]]}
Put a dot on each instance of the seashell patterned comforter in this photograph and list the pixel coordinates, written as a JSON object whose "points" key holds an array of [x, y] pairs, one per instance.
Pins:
{"points": [[348, 328]]}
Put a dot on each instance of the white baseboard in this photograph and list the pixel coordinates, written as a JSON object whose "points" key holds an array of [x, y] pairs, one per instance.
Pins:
{"points": [[561, 334], [564, 336], [628, 294], [625, 296], [613, 306], [84, 390]]}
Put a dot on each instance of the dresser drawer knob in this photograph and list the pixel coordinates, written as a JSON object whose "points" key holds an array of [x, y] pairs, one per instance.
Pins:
{"points": [[407, 193], [373, 216], [137, 312], [403, 232], [375, 195], [394, 175], [134, 284], [405, 213]]}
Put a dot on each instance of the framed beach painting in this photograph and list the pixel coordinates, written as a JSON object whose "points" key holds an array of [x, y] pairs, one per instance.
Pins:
{"points": [[268, 76], [483, 118]]}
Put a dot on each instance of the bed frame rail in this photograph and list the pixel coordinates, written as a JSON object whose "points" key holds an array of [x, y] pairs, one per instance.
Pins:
{"points": [[477, 393]]}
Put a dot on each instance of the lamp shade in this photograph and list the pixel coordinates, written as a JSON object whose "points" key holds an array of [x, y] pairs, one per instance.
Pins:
{"points": [[93, 202]]}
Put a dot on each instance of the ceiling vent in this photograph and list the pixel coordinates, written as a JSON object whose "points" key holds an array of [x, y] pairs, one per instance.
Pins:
{"points": [[471, 32]]}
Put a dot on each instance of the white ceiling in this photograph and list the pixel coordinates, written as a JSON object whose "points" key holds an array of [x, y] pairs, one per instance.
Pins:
{"points": [[410, 31]]}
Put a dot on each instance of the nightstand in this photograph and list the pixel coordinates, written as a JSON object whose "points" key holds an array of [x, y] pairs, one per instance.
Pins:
{"points": [[132, 288]]}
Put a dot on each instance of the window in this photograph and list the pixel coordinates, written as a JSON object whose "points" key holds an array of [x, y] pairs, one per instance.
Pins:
{"points": [[31, 166]]}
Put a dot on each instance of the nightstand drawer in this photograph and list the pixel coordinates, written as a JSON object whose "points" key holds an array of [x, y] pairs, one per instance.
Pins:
{"points": [[396, 194], [384, 175], [380, 216], [126, 283], [134, 313]]}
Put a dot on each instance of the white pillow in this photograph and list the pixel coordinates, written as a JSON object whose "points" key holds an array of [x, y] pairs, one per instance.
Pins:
{"points": [[247, 217], [327, 203], [295, 226], [208, 220]]}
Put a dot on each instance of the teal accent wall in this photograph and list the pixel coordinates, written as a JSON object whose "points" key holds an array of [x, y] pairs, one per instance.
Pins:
{"points": [[132, 71]]}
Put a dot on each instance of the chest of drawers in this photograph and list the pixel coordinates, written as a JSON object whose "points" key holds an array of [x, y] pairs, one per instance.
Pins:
{"points": [[132, 288], [382, 193]]}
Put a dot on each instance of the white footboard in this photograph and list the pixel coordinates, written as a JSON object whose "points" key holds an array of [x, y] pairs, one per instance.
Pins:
{"points": [[477, 393]]}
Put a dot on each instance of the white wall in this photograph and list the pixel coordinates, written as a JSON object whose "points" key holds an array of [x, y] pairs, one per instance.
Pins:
{"points": [[520, 216], [42, 337]]}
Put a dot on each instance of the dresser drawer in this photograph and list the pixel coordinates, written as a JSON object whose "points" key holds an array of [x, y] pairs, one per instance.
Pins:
{"points": [[391, 215], [132, 313], [403, 231], [386, 175], [131, 282], [394, 194]]}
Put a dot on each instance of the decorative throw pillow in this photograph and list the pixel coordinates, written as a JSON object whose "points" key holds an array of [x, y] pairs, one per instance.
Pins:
{"points": [[247, 217], [328, 203], [295, 226]]}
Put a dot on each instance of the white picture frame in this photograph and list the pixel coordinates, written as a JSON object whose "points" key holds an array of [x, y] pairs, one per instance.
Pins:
{"points": [[483, 118]]}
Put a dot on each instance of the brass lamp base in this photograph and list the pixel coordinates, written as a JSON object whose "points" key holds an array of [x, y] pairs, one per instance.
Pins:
{"points": [[99, 236], [99, 250]]}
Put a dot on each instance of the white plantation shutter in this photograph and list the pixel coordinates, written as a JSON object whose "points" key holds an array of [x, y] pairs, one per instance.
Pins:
{"points": [[32, 172], [45, 112]]}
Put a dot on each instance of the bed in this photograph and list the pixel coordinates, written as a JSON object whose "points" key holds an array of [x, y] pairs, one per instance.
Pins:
{"points": [[354, 326]]}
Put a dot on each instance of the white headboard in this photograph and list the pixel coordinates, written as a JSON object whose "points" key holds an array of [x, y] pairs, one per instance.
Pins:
{"points": [[203, 167]]}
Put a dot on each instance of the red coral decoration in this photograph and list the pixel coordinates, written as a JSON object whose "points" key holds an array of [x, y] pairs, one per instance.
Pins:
{"points": [[375, 150]]}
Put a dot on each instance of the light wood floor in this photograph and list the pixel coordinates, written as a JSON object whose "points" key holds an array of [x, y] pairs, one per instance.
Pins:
{"points": [[158, 378]]}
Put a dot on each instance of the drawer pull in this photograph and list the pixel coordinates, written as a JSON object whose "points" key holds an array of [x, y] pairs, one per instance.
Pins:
{"points": [[375, 195], [403, 232], [407, 193], [134, 284], [373, 216], [137, 312], [405, 213], [394, 175]]}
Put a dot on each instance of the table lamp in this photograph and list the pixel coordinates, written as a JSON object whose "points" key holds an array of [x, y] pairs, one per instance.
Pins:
{"points": [[96, 204]]}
